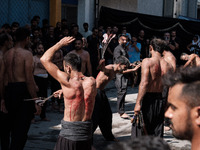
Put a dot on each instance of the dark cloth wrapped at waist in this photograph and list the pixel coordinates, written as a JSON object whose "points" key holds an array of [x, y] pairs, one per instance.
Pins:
{"points": [[76, 131], [153, 96], [16, 92]]}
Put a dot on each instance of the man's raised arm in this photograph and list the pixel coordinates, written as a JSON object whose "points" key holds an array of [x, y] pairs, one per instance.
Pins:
{"points": [[191, 59], [46, 59]]}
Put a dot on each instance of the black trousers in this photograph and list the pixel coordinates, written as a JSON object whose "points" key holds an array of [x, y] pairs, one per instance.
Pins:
{"points": [[153, 108], [66, 144], [55, 85], [121, 84], [20, 114], [42, 84], [102, 116], [4, 131]]}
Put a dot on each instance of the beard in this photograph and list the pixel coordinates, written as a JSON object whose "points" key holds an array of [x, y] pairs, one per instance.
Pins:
{"points": [[188, 131], [40, 53], [77, 48]]}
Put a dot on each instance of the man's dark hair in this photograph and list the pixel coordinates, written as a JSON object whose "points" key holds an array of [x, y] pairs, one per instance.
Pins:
{"points": [[32, 20], [141, 143], [74, 61], [15, 24], [3, 38], [63, 20], [21, 34], [190, 77], [121, 36], [6, 26], [85, 24], [45, 21], [78, 39], [94, 28], [122, 60], [36, 17], [158, 45]]}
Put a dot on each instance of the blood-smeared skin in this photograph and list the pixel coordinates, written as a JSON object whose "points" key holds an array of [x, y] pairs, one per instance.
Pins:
{"points": [[87, 109], [71, 110], [76, 105], [157, 70]]}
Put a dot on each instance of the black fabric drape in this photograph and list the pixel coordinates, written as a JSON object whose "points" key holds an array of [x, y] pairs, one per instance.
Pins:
{"points": [[152, 25]]}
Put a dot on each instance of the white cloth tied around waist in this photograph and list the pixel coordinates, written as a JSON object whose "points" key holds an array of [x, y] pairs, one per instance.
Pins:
{"points": [[76, 131]]}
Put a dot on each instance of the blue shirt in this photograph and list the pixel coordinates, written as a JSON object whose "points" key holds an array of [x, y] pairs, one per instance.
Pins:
{"points": [[133, 54]]}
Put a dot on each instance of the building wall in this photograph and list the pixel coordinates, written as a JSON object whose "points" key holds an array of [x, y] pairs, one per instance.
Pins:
{"points": [[86, 13], [151, 7], [186, 8], [192, 8], [168, 8], [125, 5]]}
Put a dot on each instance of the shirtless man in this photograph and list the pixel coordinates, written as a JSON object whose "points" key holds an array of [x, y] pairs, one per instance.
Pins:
{"points": [[79, 96], [85, 57], [41, 78], [151, 88], [169, 58], [192, 60], [102, 115], [5, 44], [21, 85]]}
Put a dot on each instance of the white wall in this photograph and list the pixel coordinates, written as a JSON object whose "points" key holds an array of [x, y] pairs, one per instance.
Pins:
{"points": [[86, 13]]}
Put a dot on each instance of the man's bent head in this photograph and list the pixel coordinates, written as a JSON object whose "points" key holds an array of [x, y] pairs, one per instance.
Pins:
{"points": [[122, 62], [72, 61], [184, 102], [184, 56], [158, 45]]}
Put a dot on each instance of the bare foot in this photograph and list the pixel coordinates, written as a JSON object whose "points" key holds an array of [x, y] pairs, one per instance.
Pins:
{"points": [[124, 116], [166, 128]]}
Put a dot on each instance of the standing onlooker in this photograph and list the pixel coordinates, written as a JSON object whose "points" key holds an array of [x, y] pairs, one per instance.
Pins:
{"points": [[55, 85], [109, 52], [5, 44], [142, 41], [86, 31], [134, 50], [184, 104], [121, 82], [93, 45], [194, 46], [58, 31], [174, 45], [41, 78], [49, 40], [124, 31], [75, 31], [86, 67]]}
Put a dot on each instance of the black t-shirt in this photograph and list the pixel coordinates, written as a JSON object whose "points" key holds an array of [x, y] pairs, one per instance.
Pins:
{"points": [[112, 45], [143, 47]]}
